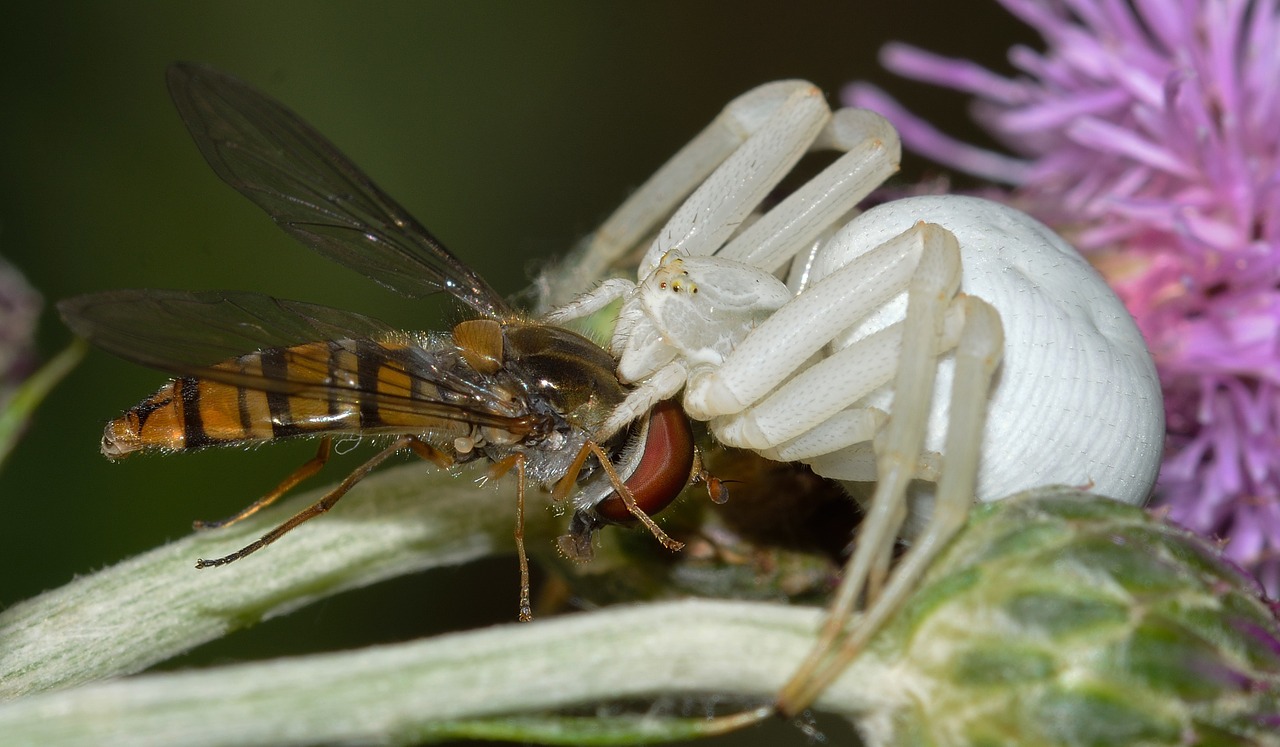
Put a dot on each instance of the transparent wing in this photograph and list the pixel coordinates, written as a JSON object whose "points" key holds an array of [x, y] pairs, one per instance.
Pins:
{"points": [[202, 334], [314, 192], [179, 330]]}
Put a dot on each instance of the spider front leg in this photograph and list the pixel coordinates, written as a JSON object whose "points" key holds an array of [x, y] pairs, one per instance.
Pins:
{"points": [[765, 130], [813, 408], [978, 354], [929, 294], [739, 394], [734, 164]]}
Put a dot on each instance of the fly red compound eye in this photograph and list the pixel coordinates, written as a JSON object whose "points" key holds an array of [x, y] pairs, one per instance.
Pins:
{"points": [[664, 468]]}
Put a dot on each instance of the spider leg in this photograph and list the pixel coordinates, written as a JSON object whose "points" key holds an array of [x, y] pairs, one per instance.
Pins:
{"points": [[933, 284], [872, 152], [855, 425], [802, 327], [664, 384], [592, 301], [718, 207], [657, 199], [977, 355], [804, 403]]}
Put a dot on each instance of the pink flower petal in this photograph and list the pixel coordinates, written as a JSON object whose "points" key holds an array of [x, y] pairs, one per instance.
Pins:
{"points": [[1150, 130]]}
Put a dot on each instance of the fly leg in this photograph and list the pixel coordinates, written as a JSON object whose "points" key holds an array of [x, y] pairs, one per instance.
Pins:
{"points": [[312, 466], [591, 448], [499, 469], [430, 453], [629, 500], [321, 506]]}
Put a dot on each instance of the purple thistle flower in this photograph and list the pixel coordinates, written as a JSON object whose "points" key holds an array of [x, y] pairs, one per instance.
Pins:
{"points": [[1149, 133]]}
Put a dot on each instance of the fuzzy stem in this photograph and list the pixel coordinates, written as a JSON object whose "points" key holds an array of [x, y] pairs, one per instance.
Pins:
{"points": [[144, 610], [459, 684]]}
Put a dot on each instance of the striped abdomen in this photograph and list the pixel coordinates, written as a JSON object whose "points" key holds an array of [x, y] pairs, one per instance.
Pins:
{"points": [[348, 386]]}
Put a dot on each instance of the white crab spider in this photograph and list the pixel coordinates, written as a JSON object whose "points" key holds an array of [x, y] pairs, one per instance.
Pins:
{"points": [[1077, 401], [819, 371]]}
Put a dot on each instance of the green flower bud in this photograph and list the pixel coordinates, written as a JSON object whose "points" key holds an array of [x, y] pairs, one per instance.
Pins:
{"points": [[1059, 618]]}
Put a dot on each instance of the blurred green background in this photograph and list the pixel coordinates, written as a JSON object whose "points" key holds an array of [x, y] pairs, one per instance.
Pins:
{"points": [[508, 129]]}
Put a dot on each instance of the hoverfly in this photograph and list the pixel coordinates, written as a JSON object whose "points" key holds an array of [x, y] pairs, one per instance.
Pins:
{"points": [[250, 368]]}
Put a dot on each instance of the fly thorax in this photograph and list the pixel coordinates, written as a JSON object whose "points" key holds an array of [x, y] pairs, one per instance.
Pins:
{"points": [[549, 461], [565, 375], [556, 441]]}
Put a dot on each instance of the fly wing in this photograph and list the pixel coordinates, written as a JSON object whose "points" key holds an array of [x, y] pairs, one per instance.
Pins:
{"points": [[206, 334], [177, 331], [314, 192]]}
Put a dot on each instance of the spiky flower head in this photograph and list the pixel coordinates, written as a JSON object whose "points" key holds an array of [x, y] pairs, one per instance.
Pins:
{"points": [[1147, 133], [1060, 618]]}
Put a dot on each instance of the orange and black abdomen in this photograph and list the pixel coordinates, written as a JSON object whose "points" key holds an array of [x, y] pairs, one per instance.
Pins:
{"points": [[311, 389]]}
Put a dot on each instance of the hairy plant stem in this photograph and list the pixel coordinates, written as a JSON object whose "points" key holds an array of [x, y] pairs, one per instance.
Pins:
{"points": [[124, 618], [56, 648], [454, 685]]}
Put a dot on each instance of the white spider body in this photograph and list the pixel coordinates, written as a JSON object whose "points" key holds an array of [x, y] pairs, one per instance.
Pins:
{"points": [[693, 309], [933, 341], [1072, 406], [1076, 400]]}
